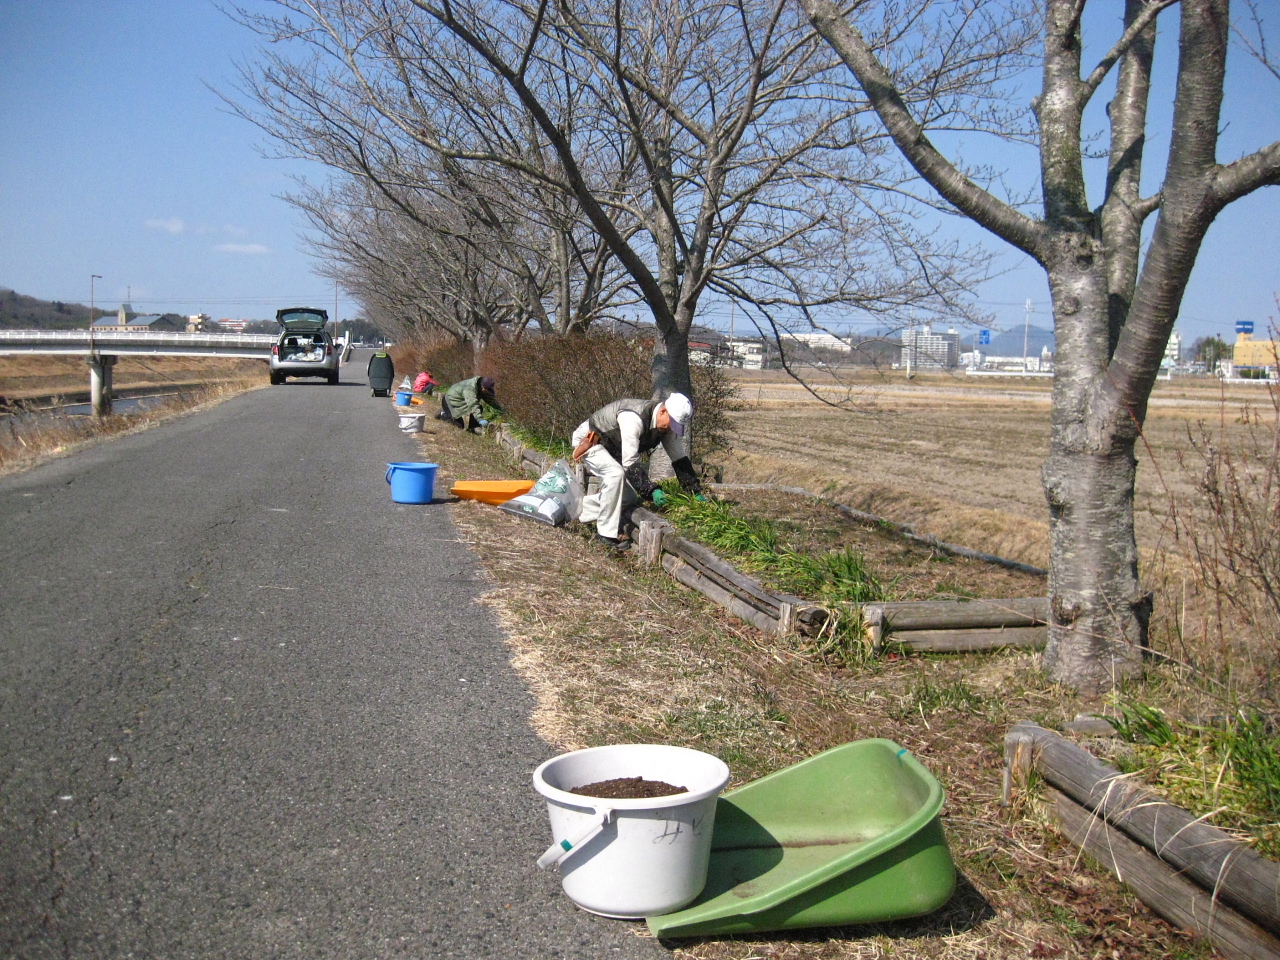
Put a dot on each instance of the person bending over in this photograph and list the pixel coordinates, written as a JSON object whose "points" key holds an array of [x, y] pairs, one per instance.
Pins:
{"points": [[461, 403], [611, 442]]}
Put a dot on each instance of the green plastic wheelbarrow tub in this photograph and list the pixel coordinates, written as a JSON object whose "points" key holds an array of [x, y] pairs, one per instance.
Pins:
{"points": [[852, 835]]}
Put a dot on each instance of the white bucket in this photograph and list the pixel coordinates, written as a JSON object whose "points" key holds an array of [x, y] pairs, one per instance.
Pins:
{"points": [[632, 858], [412, 422]]}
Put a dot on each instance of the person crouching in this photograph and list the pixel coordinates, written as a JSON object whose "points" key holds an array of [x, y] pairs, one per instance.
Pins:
{"points": [[461, 403], [612, 440]]}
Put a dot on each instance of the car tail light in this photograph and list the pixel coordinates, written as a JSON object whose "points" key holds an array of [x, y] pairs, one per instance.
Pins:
{"points": [[275, 349], [328, 351]]}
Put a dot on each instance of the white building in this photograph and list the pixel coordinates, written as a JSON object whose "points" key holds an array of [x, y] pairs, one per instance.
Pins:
{"points": [[821, 341], [1173, 352], [748, 354], [924, 350]]}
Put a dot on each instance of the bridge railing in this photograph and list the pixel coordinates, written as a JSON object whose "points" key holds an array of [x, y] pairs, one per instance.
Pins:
{"points": [[140, 336]]}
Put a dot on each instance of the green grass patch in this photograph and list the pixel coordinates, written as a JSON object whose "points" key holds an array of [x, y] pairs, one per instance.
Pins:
{"points": [[559, 449], [1232, 767], [840, 576]]}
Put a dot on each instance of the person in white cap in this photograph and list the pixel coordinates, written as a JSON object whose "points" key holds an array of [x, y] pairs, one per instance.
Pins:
{"points": [[611, 442]]}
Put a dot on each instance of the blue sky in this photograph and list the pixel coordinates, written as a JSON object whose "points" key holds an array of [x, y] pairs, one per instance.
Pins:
{"points": [[119, 160]]}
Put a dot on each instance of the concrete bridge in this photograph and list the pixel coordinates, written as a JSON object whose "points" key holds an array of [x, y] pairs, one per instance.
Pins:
{"points": [[100, 348]]}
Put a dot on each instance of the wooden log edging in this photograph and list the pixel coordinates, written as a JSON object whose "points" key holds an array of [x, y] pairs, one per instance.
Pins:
{"points": [[1226, 870], [904, 530], [1177, 899], [932, 625], [701, 569], [958, 626]]}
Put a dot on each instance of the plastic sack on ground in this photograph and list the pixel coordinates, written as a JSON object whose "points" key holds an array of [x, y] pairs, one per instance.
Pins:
{"points": [[555, 499]]}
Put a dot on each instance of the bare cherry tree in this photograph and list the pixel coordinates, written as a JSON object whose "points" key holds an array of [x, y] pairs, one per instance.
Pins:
{"points": [[1114, 302], [532, 238], [711, 145]]}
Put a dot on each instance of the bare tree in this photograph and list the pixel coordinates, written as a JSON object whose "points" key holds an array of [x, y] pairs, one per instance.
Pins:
{"points": [[533, 237], [1114, 304], [711, 145]]}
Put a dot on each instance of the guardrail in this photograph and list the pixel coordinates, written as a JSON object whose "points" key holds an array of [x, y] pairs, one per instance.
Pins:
{"points": [[140, 336], [136, 342]]}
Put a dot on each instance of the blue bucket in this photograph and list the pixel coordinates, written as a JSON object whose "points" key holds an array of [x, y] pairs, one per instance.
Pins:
{"points": [[411, 482], [403, 397]]}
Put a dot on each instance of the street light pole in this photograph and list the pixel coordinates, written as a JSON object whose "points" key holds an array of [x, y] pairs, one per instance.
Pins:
{"points": [[92, 277], [1026, 333]]}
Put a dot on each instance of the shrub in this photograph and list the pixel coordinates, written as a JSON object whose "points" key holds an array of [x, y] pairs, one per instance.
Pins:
{"points": [[448, 360], [715, 396], [549, 385]]}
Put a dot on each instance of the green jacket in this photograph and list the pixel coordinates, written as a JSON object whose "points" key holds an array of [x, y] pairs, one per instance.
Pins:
{"points": [[464, 399]]}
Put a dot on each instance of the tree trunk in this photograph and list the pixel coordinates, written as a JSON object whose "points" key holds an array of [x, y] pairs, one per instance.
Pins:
{"points": [[1100, 613], [671, 364]]}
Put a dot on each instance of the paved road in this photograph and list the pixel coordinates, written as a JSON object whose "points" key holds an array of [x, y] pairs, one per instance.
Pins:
{"points": [[249, 709]]}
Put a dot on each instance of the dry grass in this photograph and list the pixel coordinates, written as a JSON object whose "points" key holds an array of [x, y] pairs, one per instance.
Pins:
{"points": [[53, 436], [617, 653], [38, 375]]}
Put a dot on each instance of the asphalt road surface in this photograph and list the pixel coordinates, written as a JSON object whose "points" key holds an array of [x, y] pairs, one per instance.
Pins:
{"points": [[249, 707]]}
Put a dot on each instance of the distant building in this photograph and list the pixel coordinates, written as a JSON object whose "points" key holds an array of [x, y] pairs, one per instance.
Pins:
{"points": [[1173, 352], [926, 350], [1033, 364], [153, 321], [1248, 352], [119, 322], [168, 323], [821, 341], [199, 323], [747, 354]]}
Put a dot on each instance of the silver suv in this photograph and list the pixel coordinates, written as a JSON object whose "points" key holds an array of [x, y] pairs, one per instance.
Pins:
{"points": [[305, 348]]}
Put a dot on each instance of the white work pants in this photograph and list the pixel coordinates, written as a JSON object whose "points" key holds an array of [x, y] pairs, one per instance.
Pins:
{"points": [[606, 505]]}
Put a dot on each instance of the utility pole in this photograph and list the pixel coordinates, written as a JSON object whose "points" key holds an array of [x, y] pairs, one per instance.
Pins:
{"points": [[733, 315], [335, 306], [1026, 332], [92, 277]]}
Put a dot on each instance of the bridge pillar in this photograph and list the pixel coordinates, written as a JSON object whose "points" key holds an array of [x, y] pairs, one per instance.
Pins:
{"points": [[100, 383]]}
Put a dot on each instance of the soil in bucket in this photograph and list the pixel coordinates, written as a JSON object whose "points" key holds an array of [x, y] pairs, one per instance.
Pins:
{"points": [[628, 788]]}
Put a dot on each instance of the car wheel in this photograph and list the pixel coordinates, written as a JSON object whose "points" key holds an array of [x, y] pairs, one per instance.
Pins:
{"points": [[333, 378], [276, 379]]}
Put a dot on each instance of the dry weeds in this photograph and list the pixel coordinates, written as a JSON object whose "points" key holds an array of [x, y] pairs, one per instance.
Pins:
{"points": [[54, 436], [616, 653], [39, 375]]}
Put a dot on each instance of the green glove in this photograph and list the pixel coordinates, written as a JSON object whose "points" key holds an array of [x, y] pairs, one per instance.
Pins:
{"points": [[659, 497], [700, 498]]}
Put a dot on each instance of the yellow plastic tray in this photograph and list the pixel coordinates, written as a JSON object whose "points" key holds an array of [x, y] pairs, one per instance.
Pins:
{"points": [[490, 491]]}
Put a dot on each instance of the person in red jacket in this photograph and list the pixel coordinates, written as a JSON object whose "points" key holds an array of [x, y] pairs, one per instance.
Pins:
{"points": [[424, 383]]}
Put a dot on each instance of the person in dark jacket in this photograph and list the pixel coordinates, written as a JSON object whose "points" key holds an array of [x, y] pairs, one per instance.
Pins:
{"points": [[382, 371], [623, 431], [461, 404]]}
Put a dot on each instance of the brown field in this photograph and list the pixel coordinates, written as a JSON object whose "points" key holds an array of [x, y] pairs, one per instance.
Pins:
{"points": [[958, 456], [22, 377]]}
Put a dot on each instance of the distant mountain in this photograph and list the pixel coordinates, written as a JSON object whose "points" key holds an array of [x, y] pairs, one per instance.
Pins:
{"points": [[1009, 343], [20, 312]]}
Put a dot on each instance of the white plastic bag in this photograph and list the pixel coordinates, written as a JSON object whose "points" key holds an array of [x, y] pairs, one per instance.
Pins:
{"points": [[555, 499]]}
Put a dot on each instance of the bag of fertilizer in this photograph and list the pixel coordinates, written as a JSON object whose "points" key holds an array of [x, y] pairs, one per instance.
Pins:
{"points": [[555, 499], [543, 507]]}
